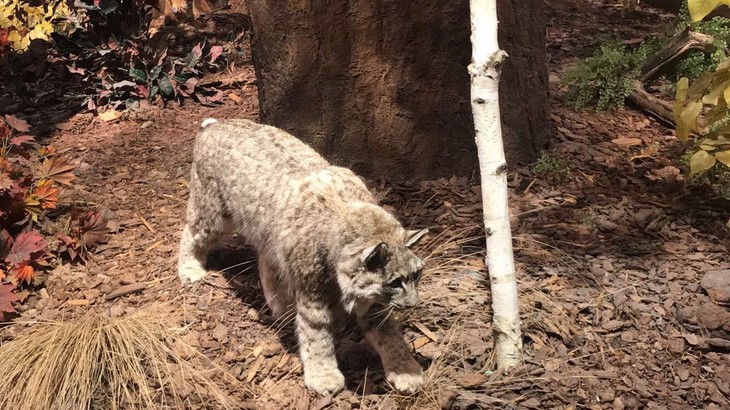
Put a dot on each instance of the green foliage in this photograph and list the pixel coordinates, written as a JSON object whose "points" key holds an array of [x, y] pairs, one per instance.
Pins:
{"points": [[604, 79], [32, 179], [551, 166], [695, 63], [134, 71]]}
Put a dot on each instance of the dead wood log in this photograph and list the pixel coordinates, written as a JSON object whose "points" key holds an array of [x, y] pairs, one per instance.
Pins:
{"points": [[681, 43], [657, 107]]}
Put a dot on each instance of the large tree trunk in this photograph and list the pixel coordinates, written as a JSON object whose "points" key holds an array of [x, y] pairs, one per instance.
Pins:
{"points": [[381, 86]]}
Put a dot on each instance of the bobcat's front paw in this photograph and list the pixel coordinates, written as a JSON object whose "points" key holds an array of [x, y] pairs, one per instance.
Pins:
{"points": [[405, 383], [191, 271], [325, 382]]}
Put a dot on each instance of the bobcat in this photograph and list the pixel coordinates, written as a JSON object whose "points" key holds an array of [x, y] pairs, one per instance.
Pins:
{"points": [[171, 8], [325, 248]]}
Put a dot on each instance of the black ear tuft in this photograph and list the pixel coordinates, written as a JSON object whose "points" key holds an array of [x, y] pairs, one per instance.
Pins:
{"points": [[377, 258]]}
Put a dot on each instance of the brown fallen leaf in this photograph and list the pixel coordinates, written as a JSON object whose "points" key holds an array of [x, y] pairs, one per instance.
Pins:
{"points": [[647, 152], [627, 142], [77, 302], [420, 342], [472, 380], [16, 123], [235, 97]]}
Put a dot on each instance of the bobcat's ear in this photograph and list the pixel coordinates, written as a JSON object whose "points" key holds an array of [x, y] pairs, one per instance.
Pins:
{"points": [[412, 237], [375, 257]]}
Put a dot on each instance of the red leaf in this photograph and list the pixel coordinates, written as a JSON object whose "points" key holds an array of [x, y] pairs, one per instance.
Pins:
{"points": [[4, 131], [76, 70], [5, 181], [215, 52], [93, 228], [198, 51], [25, 246], [161, 58], [143, 92], [69, 245], [217, 97], [16, 123], [21, 139], [46, 194], [24, 273], [7, 298], [3, 37], [57, 169]]}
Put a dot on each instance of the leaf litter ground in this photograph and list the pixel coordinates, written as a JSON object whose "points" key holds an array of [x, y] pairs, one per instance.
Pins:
{"points": [[610, 246]]}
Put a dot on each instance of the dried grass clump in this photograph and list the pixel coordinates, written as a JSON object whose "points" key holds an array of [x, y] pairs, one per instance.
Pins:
{"points": [[454, 265], [134, 362]]}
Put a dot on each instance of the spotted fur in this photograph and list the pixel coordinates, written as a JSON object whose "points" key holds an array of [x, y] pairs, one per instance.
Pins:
{"points": [[324, 246]]}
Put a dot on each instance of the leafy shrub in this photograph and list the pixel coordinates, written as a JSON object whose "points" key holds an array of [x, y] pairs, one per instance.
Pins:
{"points": [[24, 21], [134, 71], [551, 166], [604, 79], [702, 108], [32, 179], [115, 60]]}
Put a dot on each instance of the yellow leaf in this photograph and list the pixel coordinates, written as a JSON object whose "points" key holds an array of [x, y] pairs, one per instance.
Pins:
{"points": [[715, 141], [19, 42], [726, 94], [715, 92], [698, 87], [698, 9], [700, 162], [690, 112], [715, 113], [724, 157], [110, 115], [682, 133], [682, 86]]}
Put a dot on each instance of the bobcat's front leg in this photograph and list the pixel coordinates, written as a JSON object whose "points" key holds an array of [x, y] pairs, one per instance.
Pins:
{"points": [[402, 371], [316, 346]]}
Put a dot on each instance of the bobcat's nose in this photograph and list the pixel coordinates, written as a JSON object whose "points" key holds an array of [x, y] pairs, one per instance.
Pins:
{"points": [[411, 299]]}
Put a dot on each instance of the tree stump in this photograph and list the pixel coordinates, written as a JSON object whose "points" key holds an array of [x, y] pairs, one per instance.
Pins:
{"points": [[382, 87]]}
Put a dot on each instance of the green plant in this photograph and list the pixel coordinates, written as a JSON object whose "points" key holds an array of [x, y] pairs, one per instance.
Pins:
{"points": [[604, 79], [549, 165]]}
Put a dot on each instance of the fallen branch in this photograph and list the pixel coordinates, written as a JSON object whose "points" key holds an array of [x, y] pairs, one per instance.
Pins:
{"points": [[657, 107], [681, 43]]}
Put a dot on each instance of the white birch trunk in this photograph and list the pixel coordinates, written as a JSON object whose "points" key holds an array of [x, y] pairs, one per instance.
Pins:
{"points": [[484, 71]]}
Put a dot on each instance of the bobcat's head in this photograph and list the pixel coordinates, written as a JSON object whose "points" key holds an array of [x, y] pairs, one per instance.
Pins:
{"points": [[376, 265]]}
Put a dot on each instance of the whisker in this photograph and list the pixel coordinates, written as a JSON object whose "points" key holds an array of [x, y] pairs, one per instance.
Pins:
{"points": [[236, 265], [385, 319]]}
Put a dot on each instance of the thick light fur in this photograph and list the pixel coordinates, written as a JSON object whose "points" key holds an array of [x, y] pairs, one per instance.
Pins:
{"points": [[171, 8], [325, 248]]}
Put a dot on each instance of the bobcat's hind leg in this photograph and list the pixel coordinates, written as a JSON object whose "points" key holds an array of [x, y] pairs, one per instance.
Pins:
{"points": [[277, 293], [206, 222]]}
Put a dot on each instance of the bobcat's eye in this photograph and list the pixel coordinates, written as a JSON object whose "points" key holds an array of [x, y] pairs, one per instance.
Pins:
{"points": [[417, 275], [397, 283]]}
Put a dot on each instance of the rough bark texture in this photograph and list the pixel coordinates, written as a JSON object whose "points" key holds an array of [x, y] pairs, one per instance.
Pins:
{"points": [[382, 86]]}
